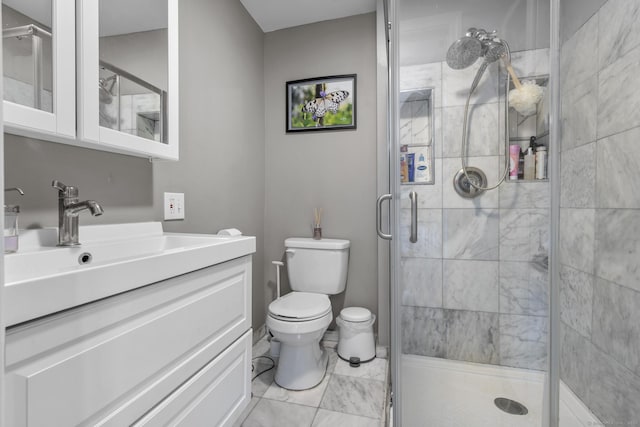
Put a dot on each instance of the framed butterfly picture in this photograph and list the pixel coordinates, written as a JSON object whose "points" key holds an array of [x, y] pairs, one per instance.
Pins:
{"points": [[321, 103]]}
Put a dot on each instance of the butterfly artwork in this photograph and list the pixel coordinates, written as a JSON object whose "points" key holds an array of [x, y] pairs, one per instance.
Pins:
{"points": [[327, 102], [321, 103]]}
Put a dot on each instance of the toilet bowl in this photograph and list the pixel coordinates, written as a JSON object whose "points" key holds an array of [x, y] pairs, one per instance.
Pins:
{"points": [[299, 319]]}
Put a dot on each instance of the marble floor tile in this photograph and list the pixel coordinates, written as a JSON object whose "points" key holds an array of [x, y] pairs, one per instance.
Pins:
{"points": [[272, 413], [262, 382], [243, 416], [373, 370], [325, 418], [333, 359], [356, 396], [311, 397]]}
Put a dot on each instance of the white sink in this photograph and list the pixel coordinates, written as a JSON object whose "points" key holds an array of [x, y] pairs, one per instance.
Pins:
{"points": [[41, 278]]}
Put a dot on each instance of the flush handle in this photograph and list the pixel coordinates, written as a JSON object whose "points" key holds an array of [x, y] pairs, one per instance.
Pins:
{"points": [[413, 196], [382, 234]]}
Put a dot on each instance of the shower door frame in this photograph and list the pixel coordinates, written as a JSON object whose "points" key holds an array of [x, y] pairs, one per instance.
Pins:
{"points": [[551, 398]]}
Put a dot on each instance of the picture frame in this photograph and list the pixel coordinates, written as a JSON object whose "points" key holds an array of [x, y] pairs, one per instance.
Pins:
{"points": [[321, 103]]}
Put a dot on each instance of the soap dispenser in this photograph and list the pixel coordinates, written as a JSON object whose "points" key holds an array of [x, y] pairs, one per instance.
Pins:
{"points": [[530, 161], [11, 224]]}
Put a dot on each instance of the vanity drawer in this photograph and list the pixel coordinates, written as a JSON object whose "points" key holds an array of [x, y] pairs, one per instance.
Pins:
{"points": [[112, 361], [215, 396]]}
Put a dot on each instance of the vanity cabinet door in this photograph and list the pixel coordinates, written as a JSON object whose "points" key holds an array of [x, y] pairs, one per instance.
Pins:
{"points": [[128, 76], [39, 78], [111, 362]]}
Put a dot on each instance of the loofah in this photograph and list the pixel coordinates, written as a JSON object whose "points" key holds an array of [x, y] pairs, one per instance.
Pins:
{"points": [[525, 99]]}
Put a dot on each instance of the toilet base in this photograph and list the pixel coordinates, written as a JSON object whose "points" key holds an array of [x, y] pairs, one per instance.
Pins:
{"points": [[301, 367]]}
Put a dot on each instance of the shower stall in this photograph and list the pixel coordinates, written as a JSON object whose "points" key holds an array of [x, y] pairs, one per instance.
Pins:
{"points": [[514, 296]]}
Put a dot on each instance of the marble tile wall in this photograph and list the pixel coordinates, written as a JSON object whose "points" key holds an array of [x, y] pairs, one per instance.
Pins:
{"points": [[600, 213], [475, 285]]}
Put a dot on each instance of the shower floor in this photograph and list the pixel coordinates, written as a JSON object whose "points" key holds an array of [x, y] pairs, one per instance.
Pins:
{"points": [[447, 393]]}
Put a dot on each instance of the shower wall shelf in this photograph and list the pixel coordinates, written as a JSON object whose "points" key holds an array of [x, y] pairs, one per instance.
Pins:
{"points": [[417, 136], [520, 129], [62, 81]]}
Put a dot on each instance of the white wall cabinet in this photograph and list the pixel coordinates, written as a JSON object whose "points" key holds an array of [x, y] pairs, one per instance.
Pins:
{"points": [[107, 72], [177, 352], [39, 69]]}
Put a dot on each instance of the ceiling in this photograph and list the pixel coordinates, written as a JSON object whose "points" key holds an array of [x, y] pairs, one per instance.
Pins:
{"points": [[272, 15], [140, 15]]}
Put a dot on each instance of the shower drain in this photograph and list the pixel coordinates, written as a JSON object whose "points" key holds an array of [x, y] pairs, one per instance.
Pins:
{"points": [[511, 406]]}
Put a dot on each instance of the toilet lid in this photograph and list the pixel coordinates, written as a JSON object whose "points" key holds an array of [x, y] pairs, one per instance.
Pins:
{"points": [[355, 314], [300, 305]]}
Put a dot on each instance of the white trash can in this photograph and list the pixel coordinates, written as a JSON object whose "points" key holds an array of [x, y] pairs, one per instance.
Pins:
{"points": [[356, 343]]}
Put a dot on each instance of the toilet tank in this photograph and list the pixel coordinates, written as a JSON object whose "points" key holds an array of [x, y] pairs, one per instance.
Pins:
{"points": [[318, 266]]}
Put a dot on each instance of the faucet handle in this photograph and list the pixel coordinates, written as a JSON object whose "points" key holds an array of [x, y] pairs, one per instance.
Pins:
{"points": [[19, 190], [65, 190]]}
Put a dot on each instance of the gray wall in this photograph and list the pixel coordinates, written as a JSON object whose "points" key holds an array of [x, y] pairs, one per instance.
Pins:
{"points": [[221, 167], [600, 211], [334, 170]]}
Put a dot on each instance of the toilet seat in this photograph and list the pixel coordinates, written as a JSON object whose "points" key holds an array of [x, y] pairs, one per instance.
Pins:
{"points": [[300, 307]]}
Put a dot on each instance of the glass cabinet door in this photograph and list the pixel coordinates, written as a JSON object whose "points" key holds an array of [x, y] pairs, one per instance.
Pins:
{"points": [[129, 73], [39, 67]]}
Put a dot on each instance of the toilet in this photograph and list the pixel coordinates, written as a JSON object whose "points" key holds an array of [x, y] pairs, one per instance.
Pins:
{"points": [[299, 319]]}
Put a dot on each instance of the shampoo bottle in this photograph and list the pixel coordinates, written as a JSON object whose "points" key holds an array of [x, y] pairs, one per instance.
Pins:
{"points": [[422, 169], [529, 164]]}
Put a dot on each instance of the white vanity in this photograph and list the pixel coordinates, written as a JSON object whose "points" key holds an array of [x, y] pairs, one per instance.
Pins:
{"points": [[134, 327]]}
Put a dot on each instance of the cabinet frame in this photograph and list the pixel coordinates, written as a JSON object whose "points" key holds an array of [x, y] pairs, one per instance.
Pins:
{"points": [[89, 129], [61, 123]]}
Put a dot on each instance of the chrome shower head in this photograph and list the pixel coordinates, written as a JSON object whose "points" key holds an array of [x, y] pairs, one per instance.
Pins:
{"points": [[495, 49], [464, 52]]}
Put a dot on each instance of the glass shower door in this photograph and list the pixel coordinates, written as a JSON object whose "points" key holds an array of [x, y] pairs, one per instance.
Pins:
{"points": [[470, 312]]}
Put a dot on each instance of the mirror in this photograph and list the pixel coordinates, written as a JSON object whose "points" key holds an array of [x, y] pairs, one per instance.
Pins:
{"points": [[27, 53], [133, 67]]}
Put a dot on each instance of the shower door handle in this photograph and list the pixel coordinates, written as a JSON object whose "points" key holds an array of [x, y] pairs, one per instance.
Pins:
{"points": [[413, 196], [382, 234]]}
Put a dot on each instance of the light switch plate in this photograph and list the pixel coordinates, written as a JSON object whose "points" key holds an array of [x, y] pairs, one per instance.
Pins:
{"points": [[173, 206]]}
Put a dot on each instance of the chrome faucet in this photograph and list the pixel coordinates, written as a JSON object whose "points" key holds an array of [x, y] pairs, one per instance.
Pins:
{"points": [[69, 209]]}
